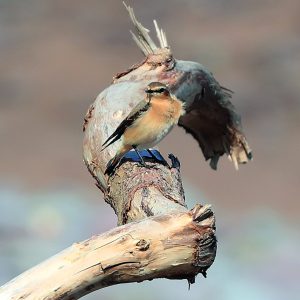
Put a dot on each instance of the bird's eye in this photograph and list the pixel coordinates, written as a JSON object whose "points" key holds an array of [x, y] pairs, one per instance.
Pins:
{"points": [[161, 90]]}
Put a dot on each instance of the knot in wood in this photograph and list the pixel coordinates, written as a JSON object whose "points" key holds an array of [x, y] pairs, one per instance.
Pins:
{"points": [[143, 245], [161, 57]]}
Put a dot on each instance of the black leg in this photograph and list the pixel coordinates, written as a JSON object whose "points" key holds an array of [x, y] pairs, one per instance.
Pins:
{"points": [[152, 155], [161, 160], [141, 159]]}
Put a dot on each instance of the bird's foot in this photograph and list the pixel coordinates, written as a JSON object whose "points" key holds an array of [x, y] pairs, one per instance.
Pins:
{"points": [[175, 162], [147, 166], [142, 164]]}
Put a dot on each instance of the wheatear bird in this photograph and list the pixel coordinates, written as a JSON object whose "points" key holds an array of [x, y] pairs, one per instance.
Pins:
{"points": [[147, 124]]}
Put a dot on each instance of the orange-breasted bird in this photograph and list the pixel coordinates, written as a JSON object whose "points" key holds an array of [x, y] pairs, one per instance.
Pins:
{"points": [[147, 124]]}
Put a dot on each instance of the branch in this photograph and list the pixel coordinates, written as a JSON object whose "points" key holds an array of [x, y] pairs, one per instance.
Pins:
{"points": [[170, 246], [168, 241], [143, 39]]}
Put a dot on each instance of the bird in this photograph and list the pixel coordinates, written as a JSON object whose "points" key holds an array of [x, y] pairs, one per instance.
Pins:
{"points": [[147, 124], [210, 116]]}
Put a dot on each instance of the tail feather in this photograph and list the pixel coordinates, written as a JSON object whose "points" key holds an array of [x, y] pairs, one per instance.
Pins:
{"points": [[111, 166], [111, 142], [114, 162]]}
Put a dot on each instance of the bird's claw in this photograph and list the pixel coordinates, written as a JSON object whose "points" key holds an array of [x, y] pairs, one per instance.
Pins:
{"points": [[144, 165]]}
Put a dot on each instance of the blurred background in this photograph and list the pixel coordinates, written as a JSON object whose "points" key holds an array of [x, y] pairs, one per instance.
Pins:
{"points": [[56, 56]]}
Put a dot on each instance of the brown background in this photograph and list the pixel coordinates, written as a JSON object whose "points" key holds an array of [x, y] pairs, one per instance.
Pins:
{"points": [[56, 56]]}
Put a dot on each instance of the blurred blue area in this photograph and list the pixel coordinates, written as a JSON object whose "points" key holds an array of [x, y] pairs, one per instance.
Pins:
{"points": [[43, 224]]}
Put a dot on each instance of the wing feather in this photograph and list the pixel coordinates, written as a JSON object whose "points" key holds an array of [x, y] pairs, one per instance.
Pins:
{"points": [[136, 112]]}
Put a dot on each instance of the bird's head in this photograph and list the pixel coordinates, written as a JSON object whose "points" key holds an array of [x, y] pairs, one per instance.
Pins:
{"points": [[157, 89]]}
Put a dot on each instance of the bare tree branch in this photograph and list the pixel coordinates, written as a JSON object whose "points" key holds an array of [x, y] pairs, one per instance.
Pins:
{"points": [[143, 40], [173, 246], [168, 241]]}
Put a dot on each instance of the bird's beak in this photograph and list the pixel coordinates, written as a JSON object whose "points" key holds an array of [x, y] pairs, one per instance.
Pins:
{"points": [[148, 91]]}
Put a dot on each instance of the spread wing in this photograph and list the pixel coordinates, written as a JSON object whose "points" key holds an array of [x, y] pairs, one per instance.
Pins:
{"points": [[214, 123], [136, 112]]}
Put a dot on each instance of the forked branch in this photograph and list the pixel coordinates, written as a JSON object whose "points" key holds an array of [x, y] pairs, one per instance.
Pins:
{"points": [[143, 39]]}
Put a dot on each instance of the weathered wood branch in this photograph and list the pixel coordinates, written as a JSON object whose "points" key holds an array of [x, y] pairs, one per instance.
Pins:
{"points": [[136, 192], [173, 246], [159, 238]]}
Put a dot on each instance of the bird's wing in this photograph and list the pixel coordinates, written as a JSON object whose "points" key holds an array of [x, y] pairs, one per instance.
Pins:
{"points": [[136, 112], [214, 123]]}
